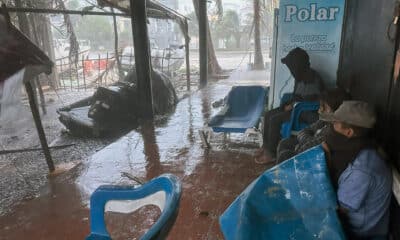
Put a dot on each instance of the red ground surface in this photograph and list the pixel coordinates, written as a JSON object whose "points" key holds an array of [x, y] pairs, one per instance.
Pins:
{"points": [[211, 179]]}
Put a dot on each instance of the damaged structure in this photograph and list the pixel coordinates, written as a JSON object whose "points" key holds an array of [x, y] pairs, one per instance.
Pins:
{"points": [[21, 58], [139, 95], [117, 107]]}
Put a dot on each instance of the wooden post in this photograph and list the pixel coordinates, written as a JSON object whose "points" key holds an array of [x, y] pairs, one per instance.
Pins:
{"points": [[105, 79], [203, 43], [258, 57], [77, 72], [61, 72], [49, 45], [39, 127], [41, 95], [99, 79], [169, 62], [83, 72], [142, 57], [116, 44], [187, 41], [162, 61], [70, 72]]}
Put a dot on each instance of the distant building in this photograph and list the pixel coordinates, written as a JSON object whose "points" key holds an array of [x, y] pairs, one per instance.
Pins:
{"points": [[165, 32], [162, 31], [174, 4]]}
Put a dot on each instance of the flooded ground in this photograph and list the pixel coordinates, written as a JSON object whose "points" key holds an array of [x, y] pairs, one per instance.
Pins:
{"points": [[23, 174], [211, 179]]}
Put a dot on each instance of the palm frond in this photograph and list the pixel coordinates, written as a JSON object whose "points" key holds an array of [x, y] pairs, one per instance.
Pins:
{"points": [[220, 9]]}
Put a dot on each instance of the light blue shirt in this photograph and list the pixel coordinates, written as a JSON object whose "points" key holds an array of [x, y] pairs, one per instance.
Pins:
{"points": [[365, 189]]}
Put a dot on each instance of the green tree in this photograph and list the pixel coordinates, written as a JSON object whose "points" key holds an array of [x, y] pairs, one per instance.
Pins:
{"points": [[213, 66], [258, 57], [228, 28], [193, 25], [97, 29], [73, 4], [125, 37]]}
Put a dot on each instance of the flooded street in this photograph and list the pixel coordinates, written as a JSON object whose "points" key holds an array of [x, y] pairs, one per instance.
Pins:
{"points": [[211, 179]]}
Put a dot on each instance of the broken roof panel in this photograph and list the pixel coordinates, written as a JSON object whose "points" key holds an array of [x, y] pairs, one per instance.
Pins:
{"points": [[16, 50], [154, 9]]}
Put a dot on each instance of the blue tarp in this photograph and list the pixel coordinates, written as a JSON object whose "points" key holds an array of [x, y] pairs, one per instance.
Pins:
{"points": [[245, 105], [293, 200]]}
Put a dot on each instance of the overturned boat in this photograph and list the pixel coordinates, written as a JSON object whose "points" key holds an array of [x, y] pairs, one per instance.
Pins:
{"points": [[116, 108]]}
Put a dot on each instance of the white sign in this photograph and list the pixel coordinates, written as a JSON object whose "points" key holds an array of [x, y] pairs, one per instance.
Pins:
{"points": [[315, 26]]}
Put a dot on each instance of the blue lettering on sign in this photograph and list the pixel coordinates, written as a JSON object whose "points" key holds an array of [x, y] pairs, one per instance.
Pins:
{"points": [[313, 13]]}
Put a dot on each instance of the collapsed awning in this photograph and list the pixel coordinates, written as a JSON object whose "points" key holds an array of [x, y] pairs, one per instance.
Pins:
{"points": [[19, 55], [16, 50], [159, 11], [154, 10]]}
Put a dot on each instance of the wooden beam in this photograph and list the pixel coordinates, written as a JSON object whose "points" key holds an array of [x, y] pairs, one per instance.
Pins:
{"points": [[203, 43], [142, 57], [159, 13], [62, 11], [2, 152]]}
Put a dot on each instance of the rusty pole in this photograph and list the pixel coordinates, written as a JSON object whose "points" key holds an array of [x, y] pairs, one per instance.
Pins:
{"points": [[203, 43], [142, 57], [39, 126]]}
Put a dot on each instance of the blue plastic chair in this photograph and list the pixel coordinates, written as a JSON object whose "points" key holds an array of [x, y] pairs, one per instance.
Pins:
{"points": [[286, 98], [165, 183], [295, 124], [241, 114], [293, 200], [244, 108]]}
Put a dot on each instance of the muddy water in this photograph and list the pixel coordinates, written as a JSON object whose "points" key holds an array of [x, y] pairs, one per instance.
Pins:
{"points": [[58, 214], [211, 179]]}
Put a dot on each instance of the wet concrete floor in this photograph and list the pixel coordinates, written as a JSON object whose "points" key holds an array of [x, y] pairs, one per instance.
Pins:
{"points": [[211, 179]]}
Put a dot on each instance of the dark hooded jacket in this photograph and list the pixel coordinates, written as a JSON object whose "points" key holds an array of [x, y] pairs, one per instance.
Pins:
{"points": [[309, 86]]}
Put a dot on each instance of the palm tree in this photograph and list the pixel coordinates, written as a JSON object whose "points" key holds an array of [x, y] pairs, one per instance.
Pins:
{"points": [[213, 66], [258, 57]]}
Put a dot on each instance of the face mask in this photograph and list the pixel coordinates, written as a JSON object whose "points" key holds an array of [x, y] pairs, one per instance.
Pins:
{"points": [[335, 140]]}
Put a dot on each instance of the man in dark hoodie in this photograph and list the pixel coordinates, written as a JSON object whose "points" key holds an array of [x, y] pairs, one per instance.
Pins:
{"points": [[308, 86]]}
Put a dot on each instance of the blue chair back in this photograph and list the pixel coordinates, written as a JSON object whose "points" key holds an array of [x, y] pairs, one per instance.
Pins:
{"points": [[295, 123], [166, 183], [286, 98], [244, 99], [245, 105]]}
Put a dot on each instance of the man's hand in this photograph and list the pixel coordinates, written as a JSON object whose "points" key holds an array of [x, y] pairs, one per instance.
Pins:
{"points": [[327, 152], [288, 107], [325, 147], [342, 210]]}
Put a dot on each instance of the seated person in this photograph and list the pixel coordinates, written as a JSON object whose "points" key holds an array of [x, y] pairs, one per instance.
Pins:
{"points": [[361, 176], [308, 86], [314, 134]]}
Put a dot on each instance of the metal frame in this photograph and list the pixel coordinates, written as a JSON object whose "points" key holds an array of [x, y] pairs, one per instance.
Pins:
{"points": [[206, 134]]}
